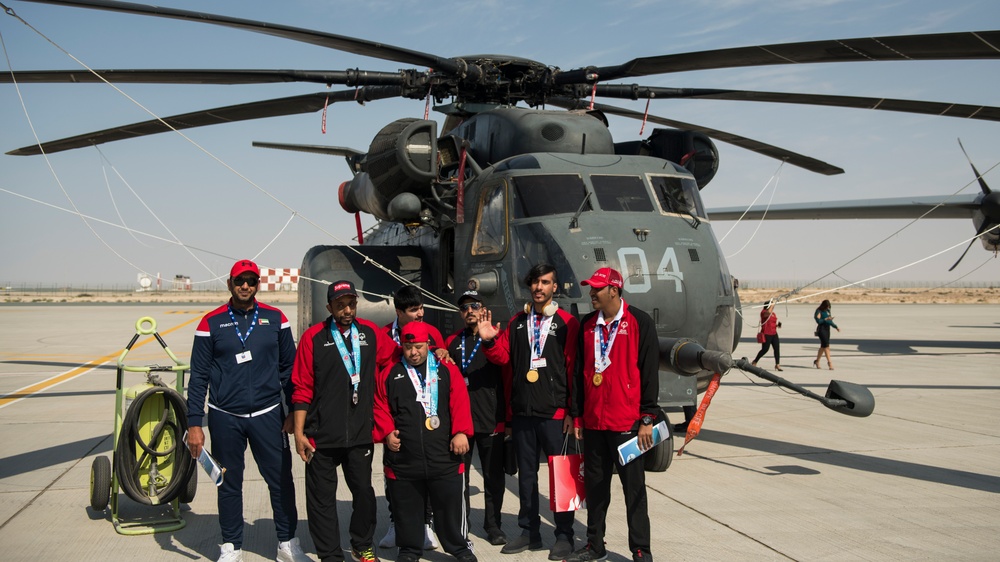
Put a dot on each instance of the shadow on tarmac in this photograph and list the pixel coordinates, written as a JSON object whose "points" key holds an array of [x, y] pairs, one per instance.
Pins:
{"points": [[855, 461]]}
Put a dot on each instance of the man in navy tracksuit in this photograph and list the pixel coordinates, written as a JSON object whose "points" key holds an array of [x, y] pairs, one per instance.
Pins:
{"points": [[539, 345], [422, 416], [616, 388], [334, 378], [242, 355], [487, 387]]}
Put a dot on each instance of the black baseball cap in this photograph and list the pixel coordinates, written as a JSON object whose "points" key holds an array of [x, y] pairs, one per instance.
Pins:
{"points": [[338, 289]]}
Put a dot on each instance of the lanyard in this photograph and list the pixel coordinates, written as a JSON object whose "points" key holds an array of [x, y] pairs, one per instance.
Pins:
{"points": [[605, 346], [394, 331], [239, 334], [601, 347], [538, 332], [427, 389], [466, 363], [353, 367]]}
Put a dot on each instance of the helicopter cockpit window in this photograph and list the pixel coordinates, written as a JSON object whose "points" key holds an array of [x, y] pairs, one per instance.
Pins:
{"points": [[622, 193], [491, 222], [543, 195], [677, 195]]}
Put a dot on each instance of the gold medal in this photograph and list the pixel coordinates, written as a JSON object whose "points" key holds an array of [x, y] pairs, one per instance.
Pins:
{"points": [[429, 424], [598, 379], [532, 375]]}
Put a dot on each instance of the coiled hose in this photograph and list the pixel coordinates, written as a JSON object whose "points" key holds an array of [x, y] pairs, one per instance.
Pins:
{"points": [[127, 466]]}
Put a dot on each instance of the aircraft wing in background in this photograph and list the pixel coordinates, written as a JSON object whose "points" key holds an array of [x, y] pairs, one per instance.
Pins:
{"points": [[948, 207]]}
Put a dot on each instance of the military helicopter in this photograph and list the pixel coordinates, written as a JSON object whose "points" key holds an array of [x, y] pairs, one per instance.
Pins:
{"points": [[501, 186]]}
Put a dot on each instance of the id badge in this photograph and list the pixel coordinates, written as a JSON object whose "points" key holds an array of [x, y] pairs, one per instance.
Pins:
{"points": [[243, 357], [355, 378], [538, 363]]}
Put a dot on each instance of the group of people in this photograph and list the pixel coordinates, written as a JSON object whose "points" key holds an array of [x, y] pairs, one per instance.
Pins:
{"points": [[429, 401], [768, 333]]}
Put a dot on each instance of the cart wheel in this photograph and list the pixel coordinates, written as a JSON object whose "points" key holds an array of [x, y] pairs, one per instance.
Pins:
{"points": [[187, 495], [100, 483]]}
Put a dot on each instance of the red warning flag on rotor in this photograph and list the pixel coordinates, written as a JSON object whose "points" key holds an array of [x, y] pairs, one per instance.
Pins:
{"points": [[694, 426]]}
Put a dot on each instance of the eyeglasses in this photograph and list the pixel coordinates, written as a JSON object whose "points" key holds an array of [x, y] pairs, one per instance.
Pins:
{"points": [[472, 305], [248, 279]]}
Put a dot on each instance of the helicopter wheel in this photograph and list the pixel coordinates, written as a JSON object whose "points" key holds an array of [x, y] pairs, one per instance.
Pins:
{"points": [[658, 460]]}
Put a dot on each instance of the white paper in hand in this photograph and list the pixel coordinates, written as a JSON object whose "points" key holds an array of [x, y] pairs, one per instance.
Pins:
{"points": [[629, 450]]}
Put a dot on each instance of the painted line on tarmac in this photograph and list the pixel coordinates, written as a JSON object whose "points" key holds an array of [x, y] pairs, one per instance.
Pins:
{"points": [[46, 384]]}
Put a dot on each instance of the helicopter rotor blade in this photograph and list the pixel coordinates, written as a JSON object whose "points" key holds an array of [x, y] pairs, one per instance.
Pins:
{"points": [[979, 177], [982, 228], [634, 91], [968, 45], [205, 76], [329, 40], [307, 103], [768, 150]]}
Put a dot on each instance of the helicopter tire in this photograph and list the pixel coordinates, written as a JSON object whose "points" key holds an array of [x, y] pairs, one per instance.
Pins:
{"points": [[658, 460], [100, 483]]}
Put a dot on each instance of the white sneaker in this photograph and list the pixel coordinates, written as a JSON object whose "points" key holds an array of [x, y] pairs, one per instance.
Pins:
{"points": [[291, 551], [430, 543], [228, 553], [389, 540]]}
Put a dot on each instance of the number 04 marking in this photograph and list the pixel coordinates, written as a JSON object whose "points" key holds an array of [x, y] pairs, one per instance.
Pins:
{"points": [[635, 269]]}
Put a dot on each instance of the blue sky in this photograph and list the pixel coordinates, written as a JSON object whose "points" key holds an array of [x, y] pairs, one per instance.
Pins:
{"points": [[209, 206]]}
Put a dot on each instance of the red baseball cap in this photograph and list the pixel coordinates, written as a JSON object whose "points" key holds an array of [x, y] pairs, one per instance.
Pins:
{"points": [[415, 332], [604, 277], [244, 266]]}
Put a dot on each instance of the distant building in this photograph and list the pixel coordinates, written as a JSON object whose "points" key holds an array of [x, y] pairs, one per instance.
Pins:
{"points": [[279, 279], [181, 283]]}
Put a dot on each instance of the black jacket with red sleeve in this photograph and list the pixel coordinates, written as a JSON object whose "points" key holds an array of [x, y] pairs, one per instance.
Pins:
{"points": [[630, 386], [424, 453], [549, 396], [323, 386]]}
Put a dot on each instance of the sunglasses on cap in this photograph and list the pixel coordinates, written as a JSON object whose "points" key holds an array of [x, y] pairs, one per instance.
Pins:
{"points": [[250, 280], [472, 305]]}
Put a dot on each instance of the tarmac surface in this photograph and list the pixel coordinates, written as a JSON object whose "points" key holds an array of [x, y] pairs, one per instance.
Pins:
{"points": [[772, 476]]}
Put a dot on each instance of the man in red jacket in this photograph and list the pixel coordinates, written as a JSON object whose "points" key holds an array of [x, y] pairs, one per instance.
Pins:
{"points": [[539, 344], [616, 389], [334, 379], [422, 416]]}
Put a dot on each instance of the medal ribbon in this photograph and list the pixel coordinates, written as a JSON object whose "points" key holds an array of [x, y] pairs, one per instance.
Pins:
{"points": [[466, 363], [427, 390], [602, 347], [239, 334], [538, 332], [353, 367], [394, 331]]}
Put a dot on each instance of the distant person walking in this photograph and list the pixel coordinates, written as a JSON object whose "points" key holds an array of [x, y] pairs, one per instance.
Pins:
{"points": [[824, 320], [769, 327]]}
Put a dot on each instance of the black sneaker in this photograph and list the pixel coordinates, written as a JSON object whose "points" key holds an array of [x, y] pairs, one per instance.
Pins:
{"points": [[467, 557], [642, 556], [496, 537], [562, 549], [520, 544], [587, 554]]}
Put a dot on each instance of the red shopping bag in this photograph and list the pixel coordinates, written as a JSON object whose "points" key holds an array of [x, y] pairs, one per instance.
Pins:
{"points": [[566, 489]]}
